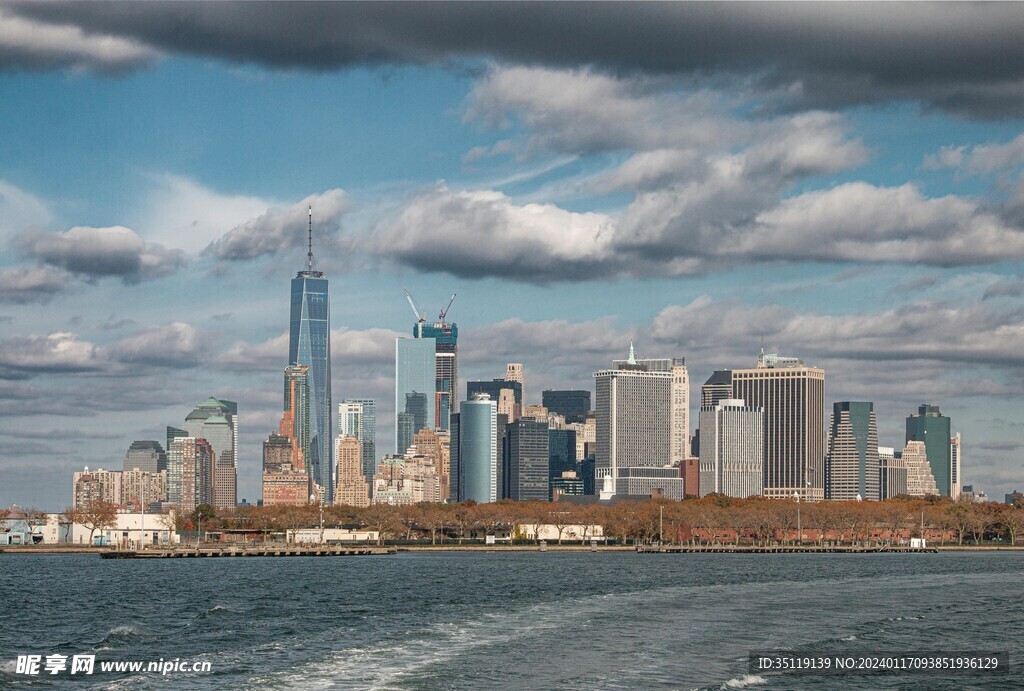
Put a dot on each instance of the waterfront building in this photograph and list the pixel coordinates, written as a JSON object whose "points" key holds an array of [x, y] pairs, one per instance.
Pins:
{"points": [[352, 488], [566, 484], [309, 344], [920, 481], [285, 487], [216, 421], [892, 473], [147, 456], [852, 460], [571, 404], [190, 473], [716, 389], [526, 460], [435, 445], [475, 460], [404, 480], [793, 398], [649, 482], [930, 426], [732, 449], [415, 396], [358, 418]]}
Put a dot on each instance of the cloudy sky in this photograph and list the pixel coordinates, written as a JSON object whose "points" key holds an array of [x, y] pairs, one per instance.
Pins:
{"points": [[841, 182]]}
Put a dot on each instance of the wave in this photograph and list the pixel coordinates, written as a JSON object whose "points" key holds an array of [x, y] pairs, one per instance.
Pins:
{"points": [[744, 681]]}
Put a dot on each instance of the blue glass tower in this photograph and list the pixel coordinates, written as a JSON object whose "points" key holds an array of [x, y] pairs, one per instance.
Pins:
{"points": [[309, 344]]}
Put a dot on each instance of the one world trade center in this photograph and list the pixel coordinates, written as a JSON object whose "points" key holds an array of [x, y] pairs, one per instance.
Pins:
{"points": [[309, 344]]}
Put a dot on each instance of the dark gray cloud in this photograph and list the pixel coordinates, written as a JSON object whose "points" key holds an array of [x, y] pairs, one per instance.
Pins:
{"points": [[965, 58], [1010, 287], [177, 345], [99, 252]]}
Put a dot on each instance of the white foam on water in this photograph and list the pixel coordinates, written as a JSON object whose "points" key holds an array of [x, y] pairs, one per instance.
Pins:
{"points": [[744, 681], [851, 637]]}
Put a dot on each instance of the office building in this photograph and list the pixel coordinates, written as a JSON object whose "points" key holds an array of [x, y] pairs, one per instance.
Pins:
{"points": [[732, 449], [215, 421], [286, 488], [405, 480], [690, 472], [351, 489], [852, 460], [954, 466], [444, 393], [920, 481], [507, 393], [415, 395], [635, 417], [476, 464], [567, 484], [930, 426], [434, 445], [892, 473], [571, 404], [295, 421], [526, 460], [358, 418], [649, 482], [793, 398], [277, 453], [147, 456], [309, 344], [561, 450], [716, 389]]}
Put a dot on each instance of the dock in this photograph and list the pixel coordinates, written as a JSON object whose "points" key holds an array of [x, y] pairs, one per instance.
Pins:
{"points": [[782, 549], [248, 551]]}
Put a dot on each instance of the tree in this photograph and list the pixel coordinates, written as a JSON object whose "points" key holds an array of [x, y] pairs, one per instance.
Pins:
{"points": [[1012, 520], [96, 515], [381, 518], [960, 516], [435, 518]]}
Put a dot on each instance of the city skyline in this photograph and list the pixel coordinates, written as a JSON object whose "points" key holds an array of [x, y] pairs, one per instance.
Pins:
{"points": [[154, 196]]}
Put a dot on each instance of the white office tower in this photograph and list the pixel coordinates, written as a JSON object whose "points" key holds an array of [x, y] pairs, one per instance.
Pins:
{"points": [[731, 449]]}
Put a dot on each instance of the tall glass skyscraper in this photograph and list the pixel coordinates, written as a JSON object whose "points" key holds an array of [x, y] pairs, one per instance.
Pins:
{"points": [[309, 344], [414, 389], [446, 376], [357, 418], [933, 428]]}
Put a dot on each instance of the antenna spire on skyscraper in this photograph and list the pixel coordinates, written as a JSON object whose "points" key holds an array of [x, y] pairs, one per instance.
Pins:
{"points": [[309, 255]]}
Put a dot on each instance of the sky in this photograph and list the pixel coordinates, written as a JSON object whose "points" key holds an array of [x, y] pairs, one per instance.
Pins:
{"points": [[839, 182]]}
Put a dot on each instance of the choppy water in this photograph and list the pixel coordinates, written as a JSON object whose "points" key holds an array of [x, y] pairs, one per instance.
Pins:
{"points": [[498, 620]]}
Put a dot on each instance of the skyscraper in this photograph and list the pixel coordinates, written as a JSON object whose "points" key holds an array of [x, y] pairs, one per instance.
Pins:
{"points": [[309, 344], [474, 453], [215, 421], [731, 448], [852, 460], [415, 369], [954, 466], [357, 418], [892, 473], [930, 426], [296, 418], [920, 480], [526, 462], [793, 397], [507, 393], [717, 388], [190, 479], [147, 456], [445, 339], [352, 488], [571, 404], [637, 419]]}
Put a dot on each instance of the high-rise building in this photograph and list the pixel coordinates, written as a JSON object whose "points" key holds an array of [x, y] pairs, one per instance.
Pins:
{"points": [[358, 418], [930, 426], [126, 488], [716, 389], [352, 488], [573, 405], [920, 480], [172, 434], [732, 449], [476, 464], [148, 456], [434, 445], [526, 460], [892, 473], [793, 397], [415, 369], [216, 421], [634, 416], [954, 466], [277, 453], [852, 460], [561, 451], [404, 480], [90, 487], [514, 372], [190, 473], [295, 421], [309, 344], [446, 370], [690, 472], [507, 393], [679, 409]]}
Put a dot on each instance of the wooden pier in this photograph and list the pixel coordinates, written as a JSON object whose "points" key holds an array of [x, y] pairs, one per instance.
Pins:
{"points": [[248, 551], [781, 549]]}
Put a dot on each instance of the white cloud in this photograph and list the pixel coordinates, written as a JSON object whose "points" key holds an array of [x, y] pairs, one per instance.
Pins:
{"points": [[57, 352], [97, 252], [37, 284]]}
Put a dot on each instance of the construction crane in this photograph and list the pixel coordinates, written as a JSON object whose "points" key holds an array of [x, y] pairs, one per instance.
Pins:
{"points": [[444, 312], [421, 316]]}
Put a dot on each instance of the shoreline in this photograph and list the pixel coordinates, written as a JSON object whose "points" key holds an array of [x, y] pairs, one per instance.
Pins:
{"points": [[727, 549]]}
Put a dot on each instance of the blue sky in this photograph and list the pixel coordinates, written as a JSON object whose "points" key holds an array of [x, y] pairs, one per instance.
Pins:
{"points": [[154, 176]]}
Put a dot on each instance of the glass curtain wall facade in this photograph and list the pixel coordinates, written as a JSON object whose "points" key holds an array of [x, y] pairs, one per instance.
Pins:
{"points": [[930, 426], [446, 369], [415, 369], [309, 344]]}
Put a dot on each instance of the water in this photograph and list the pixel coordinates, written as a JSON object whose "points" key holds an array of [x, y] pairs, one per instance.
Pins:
{"points": [[534, 620]]}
